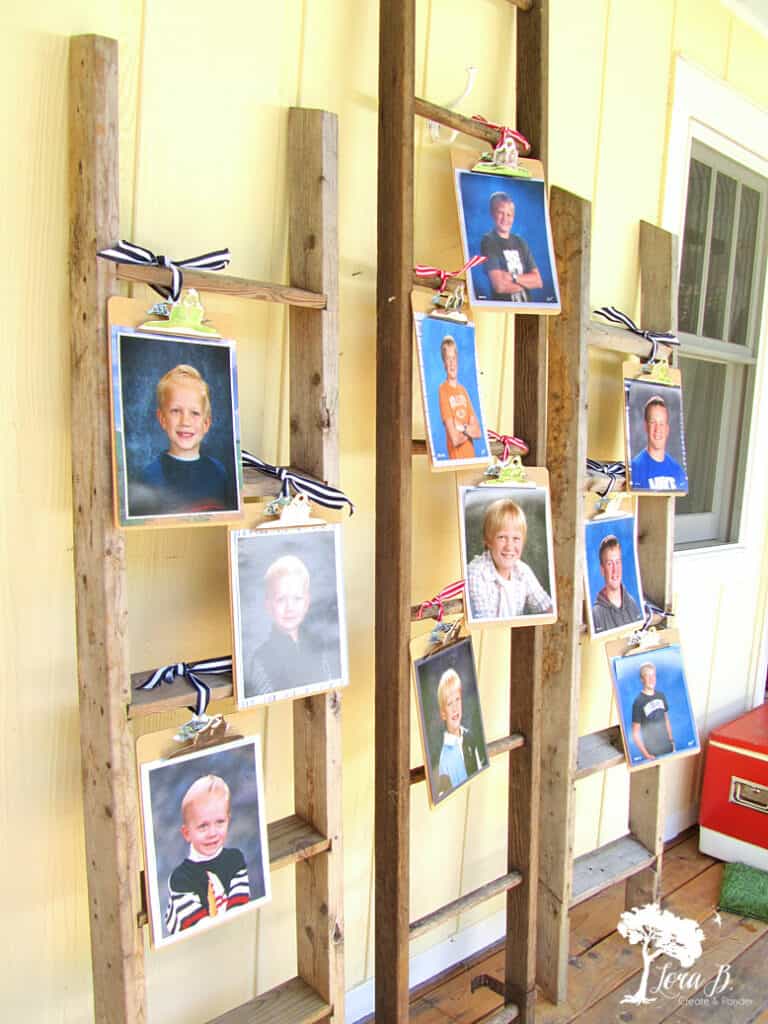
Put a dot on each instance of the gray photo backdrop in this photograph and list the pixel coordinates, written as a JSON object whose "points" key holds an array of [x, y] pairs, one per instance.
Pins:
{"points": [[428, 671], [637, 392], [323, 625], [167, 783], [144, 359], [533, 502]]}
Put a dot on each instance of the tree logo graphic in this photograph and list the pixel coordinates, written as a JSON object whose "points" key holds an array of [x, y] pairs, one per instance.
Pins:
{"points": [[659, 933]]}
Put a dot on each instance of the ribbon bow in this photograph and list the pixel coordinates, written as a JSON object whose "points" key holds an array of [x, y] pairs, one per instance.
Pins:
{"points": [[315, 490], [446, 594], [508, 442], [424, 270], [505, 133], [615, 471], [650, 611], [191, 671], [137, 255], [617, 317]]}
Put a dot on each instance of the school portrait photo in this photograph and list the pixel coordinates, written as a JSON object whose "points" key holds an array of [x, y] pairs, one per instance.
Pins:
{"points": [[654, 705], [655, 436], [454, 422], [288, 612], [450, 718], [205, 838], [176, 429], [614, 595], [506, 220], [506, 541]]}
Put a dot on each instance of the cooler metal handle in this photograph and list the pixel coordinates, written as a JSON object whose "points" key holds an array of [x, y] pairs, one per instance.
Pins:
{"points": [[749, 794]]}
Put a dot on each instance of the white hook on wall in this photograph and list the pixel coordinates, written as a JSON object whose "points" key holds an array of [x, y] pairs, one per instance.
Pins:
{"points": [[434, 127]]}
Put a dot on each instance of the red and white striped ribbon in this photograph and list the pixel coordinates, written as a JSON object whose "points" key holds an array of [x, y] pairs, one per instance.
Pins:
{"points": [[446, 594], [505, 133], [509, 442], [423, 270]]}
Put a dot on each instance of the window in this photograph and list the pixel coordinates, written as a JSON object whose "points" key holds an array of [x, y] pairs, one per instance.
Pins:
{"points": [[722, 271]]}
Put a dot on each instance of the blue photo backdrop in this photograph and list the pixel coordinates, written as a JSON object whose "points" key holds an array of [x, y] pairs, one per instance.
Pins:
{"points": [[531, 224], [623, 529], [431, 332], [670, 680]]}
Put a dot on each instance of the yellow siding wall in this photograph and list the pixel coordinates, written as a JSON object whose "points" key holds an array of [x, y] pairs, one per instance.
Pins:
{"points": [[204, 91]]}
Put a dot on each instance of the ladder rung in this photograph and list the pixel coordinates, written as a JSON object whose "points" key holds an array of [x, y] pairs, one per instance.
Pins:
{"points": [[463, 903], [598, 751], [419, 447], [241, 287], [495, 747], [293, 839], [618, 339], [452, 607], [460, 123], [503, 1015], [293, 1001], [168, 696], [603, 867]]}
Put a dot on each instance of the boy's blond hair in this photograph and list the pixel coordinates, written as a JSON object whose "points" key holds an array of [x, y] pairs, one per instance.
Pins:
{"points": [[495, 515], [449, 678], [645, 668], [447, 342], [184, 376], [287, 565], [204, 786]]}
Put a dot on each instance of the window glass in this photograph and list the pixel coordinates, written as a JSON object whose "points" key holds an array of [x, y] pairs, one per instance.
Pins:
{"points": [[722, 266], [694, 241], [719, 256], [704, 393], [749, 207]]}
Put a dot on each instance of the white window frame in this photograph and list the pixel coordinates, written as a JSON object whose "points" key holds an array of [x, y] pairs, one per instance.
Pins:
{"points": [[705, 109]]}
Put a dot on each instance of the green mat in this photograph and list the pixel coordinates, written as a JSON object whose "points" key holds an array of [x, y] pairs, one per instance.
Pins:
{"points": [[744, 891]]}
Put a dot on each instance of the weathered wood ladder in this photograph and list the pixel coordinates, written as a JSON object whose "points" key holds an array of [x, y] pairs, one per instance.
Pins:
{"points": [[566, 757], [310, 838], [394, 451]]}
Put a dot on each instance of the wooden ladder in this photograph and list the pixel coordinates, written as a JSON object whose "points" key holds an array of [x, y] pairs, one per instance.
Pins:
{"points": [[394, 614], [310, 838], [636, 857]]}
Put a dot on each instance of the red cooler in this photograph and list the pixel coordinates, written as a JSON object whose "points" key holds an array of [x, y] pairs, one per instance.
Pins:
{"points": [[734, 801]]}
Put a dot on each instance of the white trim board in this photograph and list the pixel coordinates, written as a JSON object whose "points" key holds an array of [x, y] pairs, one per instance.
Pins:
{"points": [[360, 1001]]}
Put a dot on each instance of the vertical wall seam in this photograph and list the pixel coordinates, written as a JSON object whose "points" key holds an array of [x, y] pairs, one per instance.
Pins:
{"points": [[137, 132], [302, 53], [601, 107], [668, 119]]}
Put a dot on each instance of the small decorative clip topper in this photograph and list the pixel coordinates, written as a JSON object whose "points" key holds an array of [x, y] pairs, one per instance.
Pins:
{"points": [[504, 158], [510, 471], [294, 511], [658, 370], [186, 317]]}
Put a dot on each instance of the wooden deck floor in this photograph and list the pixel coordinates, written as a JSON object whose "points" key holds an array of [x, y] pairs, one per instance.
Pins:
{"points": [[604, 968]]}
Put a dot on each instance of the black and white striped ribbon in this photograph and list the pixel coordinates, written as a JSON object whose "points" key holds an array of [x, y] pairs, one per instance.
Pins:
{"points": [[192, 671], [650, 611], [137, 255], [315, 490], [617, 317], [615, 471]]}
